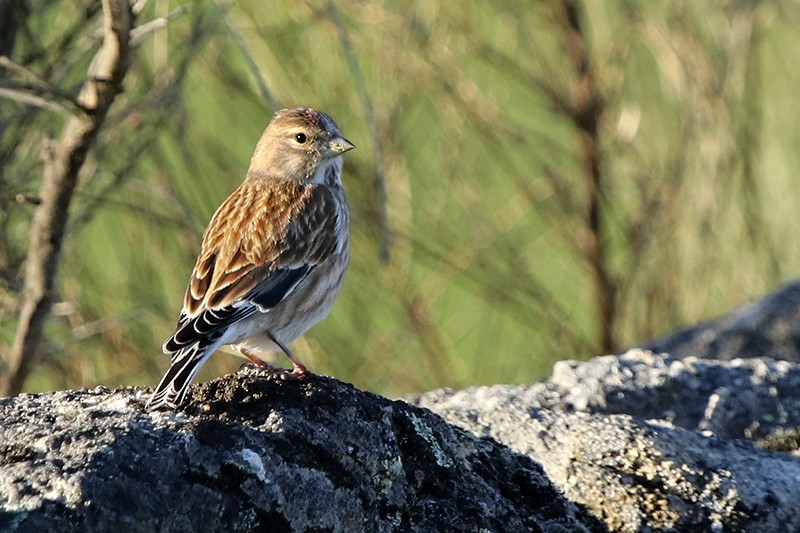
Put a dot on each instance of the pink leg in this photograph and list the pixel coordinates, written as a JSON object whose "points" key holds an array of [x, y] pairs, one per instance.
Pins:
{"points": [[256, 361], [299, 370]]}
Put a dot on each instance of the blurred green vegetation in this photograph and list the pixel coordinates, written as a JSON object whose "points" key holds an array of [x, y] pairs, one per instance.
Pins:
{"points": [[468, 194]]}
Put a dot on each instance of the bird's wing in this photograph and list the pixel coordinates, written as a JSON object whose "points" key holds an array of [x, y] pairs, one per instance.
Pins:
{"points": [[260, 244]]}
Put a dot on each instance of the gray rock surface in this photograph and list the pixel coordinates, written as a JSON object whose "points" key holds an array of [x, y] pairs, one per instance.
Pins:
{"points": [[651, 442], [742, 398], [253, 453], [767, 327], [636, 442]]}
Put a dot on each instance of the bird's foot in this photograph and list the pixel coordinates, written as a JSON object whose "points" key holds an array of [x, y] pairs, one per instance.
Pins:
{"points": [[298, 372]]}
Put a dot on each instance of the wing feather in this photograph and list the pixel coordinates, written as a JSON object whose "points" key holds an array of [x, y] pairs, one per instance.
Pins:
{"points": [[260, 244]]}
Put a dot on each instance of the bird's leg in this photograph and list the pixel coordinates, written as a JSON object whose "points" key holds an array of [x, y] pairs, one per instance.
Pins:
{"points": [[299, 370], [257, 361]]}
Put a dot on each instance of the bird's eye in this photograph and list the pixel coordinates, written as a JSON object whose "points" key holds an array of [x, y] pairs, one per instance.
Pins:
{"points": [[301, 138]]}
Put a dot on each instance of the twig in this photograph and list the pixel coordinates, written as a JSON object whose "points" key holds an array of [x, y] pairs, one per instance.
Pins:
{"points": [[266, 94], [30, 99], [138, 34], [62, 164], [39, 85], [12, 65], [586, 112], [369, 111], [23, 198], [138, 6]]}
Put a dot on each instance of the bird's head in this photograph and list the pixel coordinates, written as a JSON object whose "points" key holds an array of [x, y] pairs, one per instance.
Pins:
{"points": [[297, 145]]}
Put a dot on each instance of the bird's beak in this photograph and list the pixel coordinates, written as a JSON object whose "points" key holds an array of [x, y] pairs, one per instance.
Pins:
{"points": [[337, 146]]}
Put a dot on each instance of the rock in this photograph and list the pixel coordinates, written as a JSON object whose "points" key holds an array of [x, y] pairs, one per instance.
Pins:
{"points": [[767, 327], [636, 442], [256, 453], [650, 442], [743, 398]]}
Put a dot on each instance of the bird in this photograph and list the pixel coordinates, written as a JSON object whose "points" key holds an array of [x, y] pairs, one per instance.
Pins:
{"points": [[273, 257]]}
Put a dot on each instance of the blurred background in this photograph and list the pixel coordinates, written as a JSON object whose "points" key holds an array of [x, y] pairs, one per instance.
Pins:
{"points": [[534, 181]]}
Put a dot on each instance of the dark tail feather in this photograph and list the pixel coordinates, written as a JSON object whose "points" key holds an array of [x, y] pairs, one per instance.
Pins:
{"points": [[172, 389]]}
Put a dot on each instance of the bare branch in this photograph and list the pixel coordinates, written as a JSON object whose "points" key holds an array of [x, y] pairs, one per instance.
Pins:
{"points": [[369, 111], [20, 69], [62, 164], [27, 199], [30, 99], [138, 34], [266, 94], [138, 6], [585, 111], [40, 86]]}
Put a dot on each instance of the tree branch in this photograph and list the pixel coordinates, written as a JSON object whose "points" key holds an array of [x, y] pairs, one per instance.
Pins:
{"points": [[32, 100], [39, 85], [61, 167], [369, 110], [139, 34], [586, 112]]}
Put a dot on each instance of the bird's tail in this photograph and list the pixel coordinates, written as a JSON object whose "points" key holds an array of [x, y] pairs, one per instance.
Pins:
{"points": [[172, 389]]}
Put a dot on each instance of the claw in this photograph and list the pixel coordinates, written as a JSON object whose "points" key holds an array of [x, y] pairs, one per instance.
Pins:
{"points": [[298, 372]]}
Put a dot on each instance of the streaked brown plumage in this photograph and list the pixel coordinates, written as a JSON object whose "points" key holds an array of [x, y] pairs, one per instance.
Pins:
{"points": [[273, 256]]}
